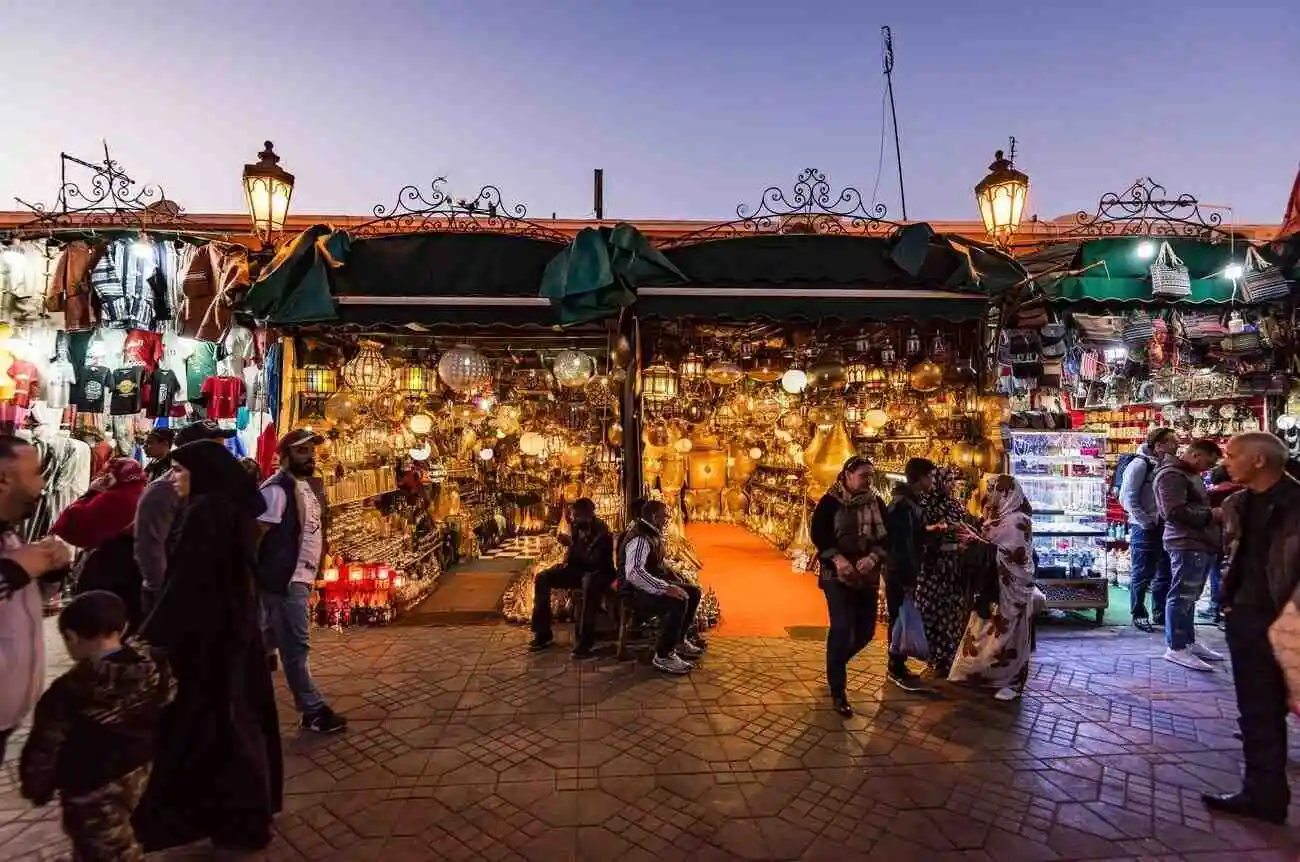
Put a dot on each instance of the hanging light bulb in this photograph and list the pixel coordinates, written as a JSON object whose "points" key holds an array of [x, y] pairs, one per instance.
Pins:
{"points": [[420, 423], [142, 247]]}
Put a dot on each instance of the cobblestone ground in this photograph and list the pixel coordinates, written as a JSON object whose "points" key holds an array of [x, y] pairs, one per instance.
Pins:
{"points": [[465, 746]]}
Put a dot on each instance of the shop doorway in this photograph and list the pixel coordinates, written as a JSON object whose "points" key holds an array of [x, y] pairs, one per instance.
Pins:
{"points": [[757, 592]]}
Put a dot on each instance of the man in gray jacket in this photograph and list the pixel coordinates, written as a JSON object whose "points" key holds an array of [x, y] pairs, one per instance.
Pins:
{"points": [[156, 512], [1149, 564], [1193, 540]]}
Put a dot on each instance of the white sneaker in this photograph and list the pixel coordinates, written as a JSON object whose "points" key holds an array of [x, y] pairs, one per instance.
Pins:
{"points": [[1205, 653], [671, 664], [689, 650], [1007, 693], [1185, 658]]}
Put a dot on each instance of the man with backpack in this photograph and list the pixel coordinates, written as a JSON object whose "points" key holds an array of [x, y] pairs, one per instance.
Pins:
{"points": [[1149, 564]]}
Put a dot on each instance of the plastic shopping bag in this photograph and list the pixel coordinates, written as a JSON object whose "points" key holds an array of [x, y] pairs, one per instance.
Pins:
{"points": [[908, 635]]}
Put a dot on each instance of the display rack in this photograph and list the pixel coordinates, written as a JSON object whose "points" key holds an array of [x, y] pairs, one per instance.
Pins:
{"points": [[1063, 474]]}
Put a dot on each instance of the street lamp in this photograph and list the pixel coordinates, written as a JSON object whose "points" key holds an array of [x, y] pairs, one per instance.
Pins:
{"points": [[1001, 197], [268, 187]]}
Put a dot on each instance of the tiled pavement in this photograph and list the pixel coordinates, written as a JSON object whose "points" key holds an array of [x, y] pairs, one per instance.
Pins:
{"points": [[465, 746]]}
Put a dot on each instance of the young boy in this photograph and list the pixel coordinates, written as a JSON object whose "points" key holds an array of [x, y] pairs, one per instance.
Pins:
{"points": [[93, 735]]}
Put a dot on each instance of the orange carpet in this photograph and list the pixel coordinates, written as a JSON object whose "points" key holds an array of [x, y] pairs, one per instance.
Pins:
{"points": [[758, 594]]}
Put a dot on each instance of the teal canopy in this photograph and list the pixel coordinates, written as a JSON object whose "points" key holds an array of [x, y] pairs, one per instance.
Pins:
{"points": [[1116, 270], [598, 274]]}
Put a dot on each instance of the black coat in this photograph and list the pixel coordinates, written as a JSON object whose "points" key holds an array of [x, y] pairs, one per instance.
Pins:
{"points": [[218, 771], [834, 531]]}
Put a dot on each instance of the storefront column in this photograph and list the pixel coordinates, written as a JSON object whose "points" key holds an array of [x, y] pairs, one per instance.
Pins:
{"points": [[630, 417]]}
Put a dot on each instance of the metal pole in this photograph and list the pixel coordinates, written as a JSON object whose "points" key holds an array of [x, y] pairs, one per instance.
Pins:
{"points": [[893, 114], [598, 190]]}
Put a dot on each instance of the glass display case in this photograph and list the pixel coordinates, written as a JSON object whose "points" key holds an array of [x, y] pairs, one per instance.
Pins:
{"points": [[1064, 477]]}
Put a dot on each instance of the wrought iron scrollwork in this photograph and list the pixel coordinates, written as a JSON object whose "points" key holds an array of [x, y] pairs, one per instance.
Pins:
{"points": [[106, 198], [809, 207], [1146, 209], [436, 210]]}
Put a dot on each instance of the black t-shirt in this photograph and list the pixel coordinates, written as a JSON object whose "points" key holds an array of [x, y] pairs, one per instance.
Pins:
{"points": [[92, 389], [126, 391], [162, 393], [1251, 561]]}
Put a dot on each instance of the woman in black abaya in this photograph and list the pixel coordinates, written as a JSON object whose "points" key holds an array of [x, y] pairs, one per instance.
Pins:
{"points": [[218, 772]]}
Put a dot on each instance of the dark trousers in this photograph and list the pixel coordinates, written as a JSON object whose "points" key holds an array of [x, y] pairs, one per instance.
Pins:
{"points": [[1150, 571], [1262, 702], [593, 586], [853, 624], [4, 742], [675, 616]]}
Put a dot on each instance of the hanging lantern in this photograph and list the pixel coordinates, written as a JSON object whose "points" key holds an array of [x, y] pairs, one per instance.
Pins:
{"points": [[766, 366], [827, 372], [573, 368], [485, 454], [341, 408], [389, 406], [877, 379], [659, 383], [614, 434], [899, 379], [531, 443], [415, 381], [1001, 197], [620, 353], [825, 457], [794, 381], [912, 347], [875, 419], [766, 408], [601, 392], [464, 369], [692, 366], [267, 189], [855, 371], [368, 373], [695, 412], [925, 376], [724, 372], [506, 419], [420, 423], [318, 379]]}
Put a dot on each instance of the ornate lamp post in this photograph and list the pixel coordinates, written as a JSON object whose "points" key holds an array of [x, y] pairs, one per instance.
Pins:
{"points": [[268, 188], [1001, 197]]}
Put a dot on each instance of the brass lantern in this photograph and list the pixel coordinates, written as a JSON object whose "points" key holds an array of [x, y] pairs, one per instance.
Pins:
{"points": [[267, 188], [368, 373], [1001, 197], [659, 382], [692, 366]]}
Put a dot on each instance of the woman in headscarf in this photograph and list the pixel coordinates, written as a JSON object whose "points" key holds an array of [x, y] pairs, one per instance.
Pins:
{"points": [[994, 651], [848, 528], [940, 594], [218, 772], [102, 524]]}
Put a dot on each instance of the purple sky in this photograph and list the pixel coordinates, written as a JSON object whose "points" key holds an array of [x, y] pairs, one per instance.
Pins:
{"points": [[691, 106]]}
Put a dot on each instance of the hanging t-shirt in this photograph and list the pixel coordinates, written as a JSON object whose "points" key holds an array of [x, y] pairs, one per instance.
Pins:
{"points": [[200, 365], [223, 396], [126, 391], [93, 388], [58, 384], [143, 348], [26, 380], [162, 393], [237, 351]]}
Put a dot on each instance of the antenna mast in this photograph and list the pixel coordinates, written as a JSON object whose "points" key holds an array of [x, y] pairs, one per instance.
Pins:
{"points": [[888, 36]]}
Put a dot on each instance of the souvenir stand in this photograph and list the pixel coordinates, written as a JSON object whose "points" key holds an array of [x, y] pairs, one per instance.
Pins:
{"points": [[804, 331], [1150, 313], [457, 417], [116, 319]]}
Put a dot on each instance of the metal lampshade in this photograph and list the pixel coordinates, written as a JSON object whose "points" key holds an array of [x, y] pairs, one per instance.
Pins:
{"points": [[1001, 197], [268, 189]]}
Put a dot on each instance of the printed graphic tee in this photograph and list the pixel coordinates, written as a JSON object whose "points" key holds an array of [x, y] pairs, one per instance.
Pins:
{"points": [[163, 387], [143, 348], [93, 389], [59, 383], [126, 391]]}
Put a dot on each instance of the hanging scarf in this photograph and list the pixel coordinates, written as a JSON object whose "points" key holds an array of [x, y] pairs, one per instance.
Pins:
{"points": [[865, 508]]}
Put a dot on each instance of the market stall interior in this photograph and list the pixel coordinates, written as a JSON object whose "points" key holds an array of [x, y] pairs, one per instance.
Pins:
{"points": [[455, 450]]}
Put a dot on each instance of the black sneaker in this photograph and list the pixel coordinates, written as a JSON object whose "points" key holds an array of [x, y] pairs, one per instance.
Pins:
{"points": [[540, 642], [323, 720], [905, 679], [582, 651], [1143, 624]]}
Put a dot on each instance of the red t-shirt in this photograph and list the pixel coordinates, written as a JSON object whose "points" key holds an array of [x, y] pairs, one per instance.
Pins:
{"points": [[26, 382], [224, 396], [143, 348]]}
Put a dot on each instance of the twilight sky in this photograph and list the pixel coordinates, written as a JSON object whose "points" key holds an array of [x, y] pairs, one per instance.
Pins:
{"points": [[691, 106]]}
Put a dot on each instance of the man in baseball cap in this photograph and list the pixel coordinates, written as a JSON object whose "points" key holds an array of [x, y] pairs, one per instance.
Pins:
{"points": [[156, 512], [288, 560]]}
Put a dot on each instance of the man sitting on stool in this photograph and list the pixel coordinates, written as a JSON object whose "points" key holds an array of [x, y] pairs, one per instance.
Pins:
{"points": [[657, 591], [589, 565]]}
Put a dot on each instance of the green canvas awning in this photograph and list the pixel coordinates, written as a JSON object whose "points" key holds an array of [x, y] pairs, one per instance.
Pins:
{"points": [[1116, 270], [598, 274], [914, 273]]}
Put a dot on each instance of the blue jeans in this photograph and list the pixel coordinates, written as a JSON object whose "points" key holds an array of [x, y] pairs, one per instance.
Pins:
{"points": [[1190, 568], [1149, 570], [1216, 572], [286, 619]]}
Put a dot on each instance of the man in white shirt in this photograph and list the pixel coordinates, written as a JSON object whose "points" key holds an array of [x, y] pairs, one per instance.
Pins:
{"points": [[288, 559]]}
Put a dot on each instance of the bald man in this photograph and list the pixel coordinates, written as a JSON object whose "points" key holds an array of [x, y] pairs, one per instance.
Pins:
{"points": [[1262, 526]]}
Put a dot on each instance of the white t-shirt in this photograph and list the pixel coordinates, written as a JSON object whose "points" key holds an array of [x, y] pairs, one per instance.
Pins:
{"points": [[58, 384], [239, 349], [312, 543]]}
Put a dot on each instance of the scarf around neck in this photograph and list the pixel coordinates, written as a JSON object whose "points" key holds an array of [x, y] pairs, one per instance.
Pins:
{"points": [[865, 508]]}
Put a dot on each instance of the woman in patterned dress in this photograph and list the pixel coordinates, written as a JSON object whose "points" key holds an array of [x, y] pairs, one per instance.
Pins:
{"points": [[994, 651], [940, 593]]}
